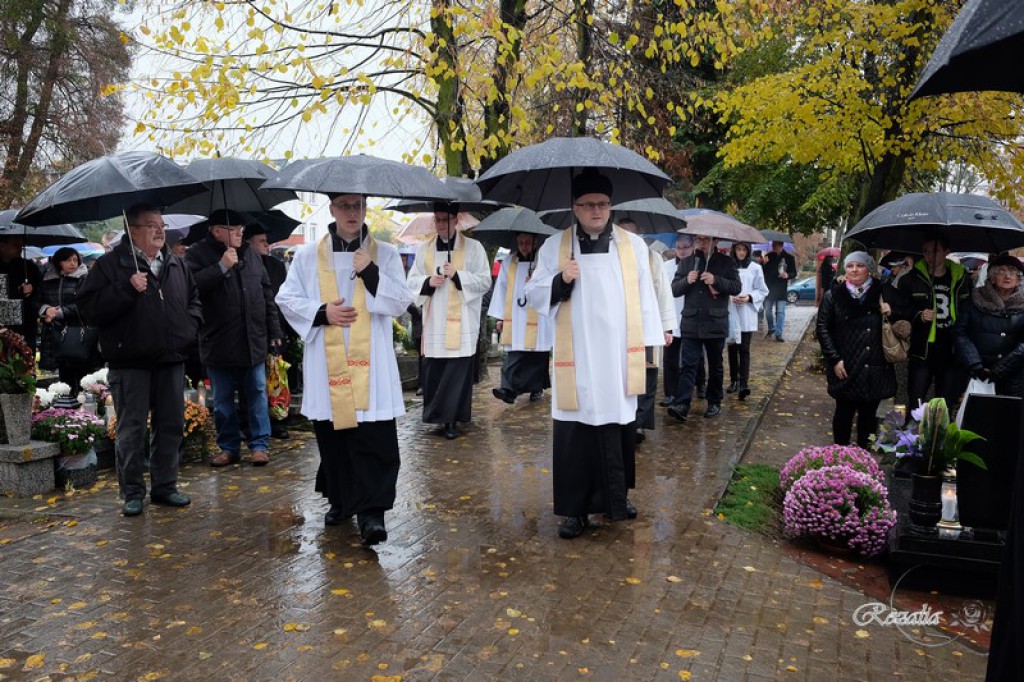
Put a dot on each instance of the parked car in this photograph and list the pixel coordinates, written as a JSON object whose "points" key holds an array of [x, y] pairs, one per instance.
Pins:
{"points": [[801, 290]]}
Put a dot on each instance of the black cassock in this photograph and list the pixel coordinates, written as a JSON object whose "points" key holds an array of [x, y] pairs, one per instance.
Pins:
{"points": [[358, 467], [526, 371], [447, 390]]}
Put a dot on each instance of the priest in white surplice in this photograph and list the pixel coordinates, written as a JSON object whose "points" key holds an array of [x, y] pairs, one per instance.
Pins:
{"points": [[594, 281], [449, 278], [525, 335], [340, 296]]}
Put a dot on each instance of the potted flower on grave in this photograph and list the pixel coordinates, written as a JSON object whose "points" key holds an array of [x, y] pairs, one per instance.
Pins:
{"points": [[76, 432], [17, 387]]}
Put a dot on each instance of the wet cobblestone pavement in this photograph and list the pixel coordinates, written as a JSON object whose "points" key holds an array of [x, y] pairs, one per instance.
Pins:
{"points": [[248, 584]]}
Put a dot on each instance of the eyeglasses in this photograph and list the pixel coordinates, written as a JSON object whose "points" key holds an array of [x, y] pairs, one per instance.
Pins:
{"points": [[345, 206], [593, 205], [151, 226]]}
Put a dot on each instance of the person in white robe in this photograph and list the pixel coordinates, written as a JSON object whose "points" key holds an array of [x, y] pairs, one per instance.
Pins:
{"points": [[666, 308], [525, 335], [743, 310], [340, 296], [449, 279], [594, 282]]}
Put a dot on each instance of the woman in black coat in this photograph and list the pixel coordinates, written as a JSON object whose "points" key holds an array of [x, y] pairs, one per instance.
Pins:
{"points": [[850, 334], [989, 332], [59, 317]]}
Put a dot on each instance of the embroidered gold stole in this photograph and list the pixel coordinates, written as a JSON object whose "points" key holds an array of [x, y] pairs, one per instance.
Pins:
{"points": [[530, 340], [453, 316]]}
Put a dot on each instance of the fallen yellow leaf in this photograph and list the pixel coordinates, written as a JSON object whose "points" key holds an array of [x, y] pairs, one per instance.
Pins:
{"points": [[750, 569], [260, 647], [205, 655], [340, 590], [7, 662], [674, 579], [820, 621], [685, 675], [687, 653], [862, 634], [295, 627], [34, 662], [513, 631], [633, 581]]}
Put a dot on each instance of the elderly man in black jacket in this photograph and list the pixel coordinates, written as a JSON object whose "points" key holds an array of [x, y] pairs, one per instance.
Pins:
{"points": [[145, 304], [707, 279], [241, 326]]}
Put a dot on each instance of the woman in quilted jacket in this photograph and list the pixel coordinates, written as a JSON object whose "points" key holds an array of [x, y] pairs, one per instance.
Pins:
{"points": [[849, 331]]}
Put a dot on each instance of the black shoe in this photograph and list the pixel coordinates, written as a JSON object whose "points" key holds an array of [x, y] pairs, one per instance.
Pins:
{"points": [[371, 529], [702, 393], [419, 391], [171, 500], [572, 527], [770, 334], [631, 512], [713, 411], [504, 395], [132, 507], [277, 430], [451, 431], [744, 392], [733, 386], [640, 436], [666, 401], [536, 395], [679, 412], [779, 339], [334, 516]]}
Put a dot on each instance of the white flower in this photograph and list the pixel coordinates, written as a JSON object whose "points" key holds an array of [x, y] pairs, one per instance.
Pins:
{"points": [[60, 388], [45, 397]]}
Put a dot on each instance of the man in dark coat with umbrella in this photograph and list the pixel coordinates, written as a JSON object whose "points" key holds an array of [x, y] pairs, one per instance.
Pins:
{"points": [[240, 329], [145, 304]]}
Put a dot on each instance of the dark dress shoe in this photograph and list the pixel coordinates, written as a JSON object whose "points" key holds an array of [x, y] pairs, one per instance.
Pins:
{"points": [[702, 393], [712, 411], [744, 392], [572, 527], [419, 391], [171, 500], [666, 401], [504, 395], [451, 431], [536, 395], [640, 436], [631, 512], [277, 430], [132, 507], [733, 387], [371, 529], [679, 412], [778, 338], [770, 334], [334, 516]]}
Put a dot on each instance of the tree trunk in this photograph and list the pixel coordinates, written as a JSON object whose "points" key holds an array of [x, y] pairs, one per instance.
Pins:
{"points": [[584, 10], [497, 112], [450, 105]]}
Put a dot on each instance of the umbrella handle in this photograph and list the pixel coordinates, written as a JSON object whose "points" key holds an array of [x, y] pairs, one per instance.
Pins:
{"points": [[521, 302]]}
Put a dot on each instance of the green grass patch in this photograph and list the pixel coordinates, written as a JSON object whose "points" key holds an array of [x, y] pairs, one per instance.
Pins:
{"points": [[753, 499]]}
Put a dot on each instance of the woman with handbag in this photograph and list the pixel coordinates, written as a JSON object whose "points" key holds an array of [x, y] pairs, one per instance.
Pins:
{"points": [[68, 344], [989, 332], [849, 331]]}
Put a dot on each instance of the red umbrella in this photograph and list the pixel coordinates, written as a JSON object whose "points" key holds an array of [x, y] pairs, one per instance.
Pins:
{"points": [[828, 251]]}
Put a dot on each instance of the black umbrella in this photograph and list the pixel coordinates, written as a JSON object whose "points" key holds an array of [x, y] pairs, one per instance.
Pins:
{"points": [[652, 216], [277, 224], [982, 50], [776, 236], [971, 222], [468, 199], [501, 228], [104, 187], [540, 176], [47, 235], [233, 184], [361, 174]]}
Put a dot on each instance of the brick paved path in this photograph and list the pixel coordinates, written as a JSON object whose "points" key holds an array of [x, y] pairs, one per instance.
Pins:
{"points": [[247, 584]]}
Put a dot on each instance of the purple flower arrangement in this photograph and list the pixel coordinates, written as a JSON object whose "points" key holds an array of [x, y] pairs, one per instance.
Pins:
{"points": [[817, 457], [75, 431], [840, 505]]}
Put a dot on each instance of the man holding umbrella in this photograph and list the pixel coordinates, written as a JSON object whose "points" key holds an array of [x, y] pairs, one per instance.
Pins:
{"points": [[594, 281], [449, 278], [525, 335], [145, 304], [340, 296]]}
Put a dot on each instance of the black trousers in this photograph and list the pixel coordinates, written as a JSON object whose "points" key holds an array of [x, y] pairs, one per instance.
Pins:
{"points": [[694, 351], [950, 381], [739, 360], [842, 421], [358, 467], [672, 360]]}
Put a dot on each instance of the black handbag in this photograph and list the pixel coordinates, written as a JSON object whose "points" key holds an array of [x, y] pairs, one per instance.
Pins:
{"points": [[74, 343]]}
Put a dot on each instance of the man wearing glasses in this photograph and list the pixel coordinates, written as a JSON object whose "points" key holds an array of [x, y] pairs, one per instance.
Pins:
{"points": [[241, 326], [144, 302]]}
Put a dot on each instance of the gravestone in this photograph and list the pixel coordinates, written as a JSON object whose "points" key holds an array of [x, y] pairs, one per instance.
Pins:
{"points": [[10, 311]]}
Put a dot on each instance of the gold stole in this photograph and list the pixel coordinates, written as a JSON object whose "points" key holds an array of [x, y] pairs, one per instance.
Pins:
{"points": [[453, 318], [565, 364], [348, 372], [531, 315]]}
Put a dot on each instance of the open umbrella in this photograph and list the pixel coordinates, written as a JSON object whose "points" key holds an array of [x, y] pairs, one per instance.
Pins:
{"points": [[982, 50], [501, 228], [45, 235], [540, 176], [277, 223], [707, 223], [178, 225], [971, 223], [469, 199], [361, 174], [232, 184], [776, 236], [652, 216], [104, 187], [422, 227]]}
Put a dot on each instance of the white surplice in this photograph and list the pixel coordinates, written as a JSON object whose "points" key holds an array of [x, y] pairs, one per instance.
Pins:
{"points": [[669, 268], [299, 301], [519, 313], [475, 278], [743, 316], [598, 327]]}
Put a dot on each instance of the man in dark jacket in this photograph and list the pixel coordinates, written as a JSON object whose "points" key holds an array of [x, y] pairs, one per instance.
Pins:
{"points": [[779, 269], [241, 325], [707, 282], [930, 295], [145, 304]]}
